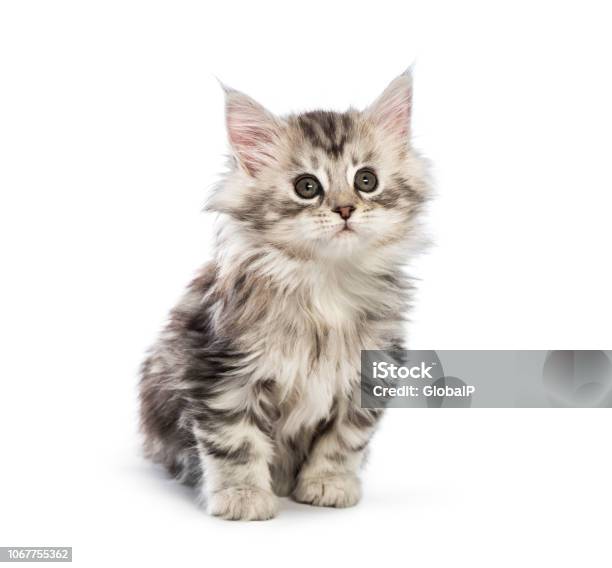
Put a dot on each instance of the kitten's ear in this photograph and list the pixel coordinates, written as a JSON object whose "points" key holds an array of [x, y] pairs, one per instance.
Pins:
{"points": [[393, 109], [253, 131]]}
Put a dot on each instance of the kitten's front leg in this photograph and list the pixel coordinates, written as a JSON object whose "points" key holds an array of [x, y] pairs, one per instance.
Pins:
{"points": [[330, 476], [235, 457]]}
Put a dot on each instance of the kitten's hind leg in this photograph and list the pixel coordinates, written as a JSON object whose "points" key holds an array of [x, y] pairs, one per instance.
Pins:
{"points": [[288, 457]]}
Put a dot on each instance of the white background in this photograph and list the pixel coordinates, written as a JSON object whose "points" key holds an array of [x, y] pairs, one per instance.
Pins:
{"points": [[111, 132]]}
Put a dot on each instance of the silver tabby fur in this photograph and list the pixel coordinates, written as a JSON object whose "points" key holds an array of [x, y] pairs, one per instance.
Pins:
{"points": [[252, 390]]}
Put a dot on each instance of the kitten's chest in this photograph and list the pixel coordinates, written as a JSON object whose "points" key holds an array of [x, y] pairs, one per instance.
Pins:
{"points": [[310, 378], [313, 365], [311, 347]]}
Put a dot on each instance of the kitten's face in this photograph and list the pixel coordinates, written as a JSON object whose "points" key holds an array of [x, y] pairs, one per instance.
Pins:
{"points": [[324, 184]]}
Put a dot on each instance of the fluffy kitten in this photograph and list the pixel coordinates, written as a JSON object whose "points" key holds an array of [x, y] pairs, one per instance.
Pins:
{"points": [[252, 390]]}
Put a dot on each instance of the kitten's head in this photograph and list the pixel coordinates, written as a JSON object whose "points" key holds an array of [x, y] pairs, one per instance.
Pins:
{"points": [[324, 184]]}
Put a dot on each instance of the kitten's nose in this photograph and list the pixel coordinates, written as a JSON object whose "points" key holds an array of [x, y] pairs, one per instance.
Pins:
{"points": [[345, 211]]}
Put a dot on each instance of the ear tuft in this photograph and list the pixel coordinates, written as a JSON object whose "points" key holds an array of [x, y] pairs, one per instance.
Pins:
{"points": [[253, 131], [392, 110]]}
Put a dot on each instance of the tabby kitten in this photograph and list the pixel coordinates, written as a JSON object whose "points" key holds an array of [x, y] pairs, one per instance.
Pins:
{"points": [[252, 390]]}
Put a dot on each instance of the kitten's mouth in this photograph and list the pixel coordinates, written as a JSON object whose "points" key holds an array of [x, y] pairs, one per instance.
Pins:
{"points": [[345, 229]]}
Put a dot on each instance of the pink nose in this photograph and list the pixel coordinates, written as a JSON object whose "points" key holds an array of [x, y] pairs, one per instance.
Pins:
{"points": [[345, 211]]}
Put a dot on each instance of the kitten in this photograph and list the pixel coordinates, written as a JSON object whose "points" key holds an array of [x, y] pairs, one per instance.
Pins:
{"points": [[252, 390]]}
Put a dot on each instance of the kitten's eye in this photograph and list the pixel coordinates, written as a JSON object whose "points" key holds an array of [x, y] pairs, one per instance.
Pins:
{"points": [[307, 187], [366, 180]]}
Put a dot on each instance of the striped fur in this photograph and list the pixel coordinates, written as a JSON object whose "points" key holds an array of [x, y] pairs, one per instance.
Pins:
{"points": [[252, 389]]}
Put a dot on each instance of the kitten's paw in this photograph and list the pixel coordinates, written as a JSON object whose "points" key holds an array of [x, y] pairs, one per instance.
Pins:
{"points": [[329, 491], [243, 504]]}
